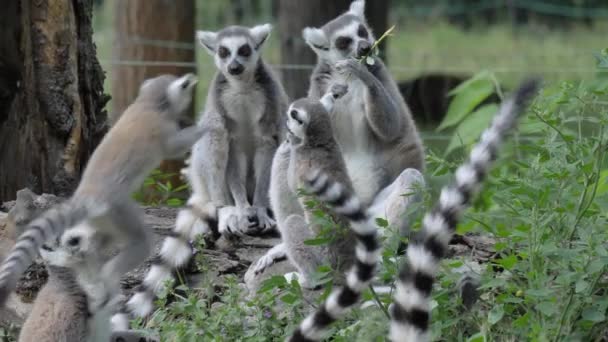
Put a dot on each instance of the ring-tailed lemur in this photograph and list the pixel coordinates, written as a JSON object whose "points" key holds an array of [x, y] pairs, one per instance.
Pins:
{"points": [[230, 166], [311, 147], [146, 133], [74, 305], [372, 123], [411, 310]]}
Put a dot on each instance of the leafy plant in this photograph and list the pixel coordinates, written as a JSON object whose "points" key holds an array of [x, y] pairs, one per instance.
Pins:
{"points": [[544, 205]]}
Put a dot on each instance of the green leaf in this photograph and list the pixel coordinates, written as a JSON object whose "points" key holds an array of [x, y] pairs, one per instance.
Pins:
{"points": [[602, 186], [593, 314], [479, 337], [471, 128], [380, 222], [496, 314], [547, 308], [174, 202], [468, 95], [289, 298], [508, 262]]}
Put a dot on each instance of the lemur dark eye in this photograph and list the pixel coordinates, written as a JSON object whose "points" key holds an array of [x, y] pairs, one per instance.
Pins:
{"points": [[342, 43], [245, 51], [362, 32], [73, 242], [223, 52], [294, 114], [185, 84]]}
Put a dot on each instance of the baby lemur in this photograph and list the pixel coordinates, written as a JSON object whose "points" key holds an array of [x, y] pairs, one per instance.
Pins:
{"points": [[310, 146], [146, 133], [72, 304], [230, 166], [315, 165]]}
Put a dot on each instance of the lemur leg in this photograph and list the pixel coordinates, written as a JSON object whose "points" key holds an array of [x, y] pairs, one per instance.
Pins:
{"points": [[273, 255], [245, 215], [262, 166], [383, 114], [137, 240], [305, 258], [393, 201], [209, 164]]}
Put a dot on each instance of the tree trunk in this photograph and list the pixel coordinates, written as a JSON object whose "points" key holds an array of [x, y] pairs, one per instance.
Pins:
{"points": [[150, 31], [51, 95], [295, 15], [376, 13]]}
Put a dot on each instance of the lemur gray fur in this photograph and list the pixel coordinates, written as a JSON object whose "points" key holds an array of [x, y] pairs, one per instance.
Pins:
{"points": [[410, 313], [146, 133], [372, 123], [230, 166]]}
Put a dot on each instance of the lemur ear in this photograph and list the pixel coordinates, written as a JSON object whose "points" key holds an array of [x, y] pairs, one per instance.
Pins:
{"points": [[357, 8], [316, 38], [208, 40], [260, 34]]}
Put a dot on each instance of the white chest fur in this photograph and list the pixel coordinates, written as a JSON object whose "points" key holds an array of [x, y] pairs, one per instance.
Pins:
{"points": [[349, 121], [352, 133], [245, 106]]}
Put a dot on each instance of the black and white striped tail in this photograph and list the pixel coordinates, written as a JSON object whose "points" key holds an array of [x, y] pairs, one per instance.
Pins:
{"points": [[174, 254], [48, 226], [345, 203], [411, 310]]}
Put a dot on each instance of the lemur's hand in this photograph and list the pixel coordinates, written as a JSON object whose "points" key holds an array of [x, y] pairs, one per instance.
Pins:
{"points": [[338, 90]]}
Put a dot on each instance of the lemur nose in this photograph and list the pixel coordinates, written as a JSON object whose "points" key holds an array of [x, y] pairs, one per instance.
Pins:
{"points": [[363, 48], [235, 68]]}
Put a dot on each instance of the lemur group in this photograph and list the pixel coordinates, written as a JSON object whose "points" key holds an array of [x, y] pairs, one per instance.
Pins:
{"points": [[256, 160]]}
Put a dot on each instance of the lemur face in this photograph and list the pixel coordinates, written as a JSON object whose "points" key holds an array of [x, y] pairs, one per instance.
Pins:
{"points": [[74, 247], [171, 94], [347, 36], [235, 49], [297, 123]]}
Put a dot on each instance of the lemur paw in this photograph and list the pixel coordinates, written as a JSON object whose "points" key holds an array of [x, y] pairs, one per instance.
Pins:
{"points": [[338, 90], [349, 67], [230, 221], [262, 264], [256, 220]]}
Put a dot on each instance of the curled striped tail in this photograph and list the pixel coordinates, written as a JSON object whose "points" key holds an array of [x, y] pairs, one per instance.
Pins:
{"points": [[367, 252], [174, 254], [411, 310], [48, 226]]}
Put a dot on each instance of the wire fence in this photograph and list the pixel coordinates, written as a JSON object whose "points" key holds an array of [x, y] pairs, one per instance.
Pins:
{"points": [[398, 68], [167, 44], [538, 7]]}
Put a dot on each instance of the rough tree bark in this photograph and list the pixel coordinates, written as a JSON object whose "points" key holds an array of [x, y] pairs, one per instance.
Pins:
{"points": [[51, 95], [294, 15], [144, 30]]}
